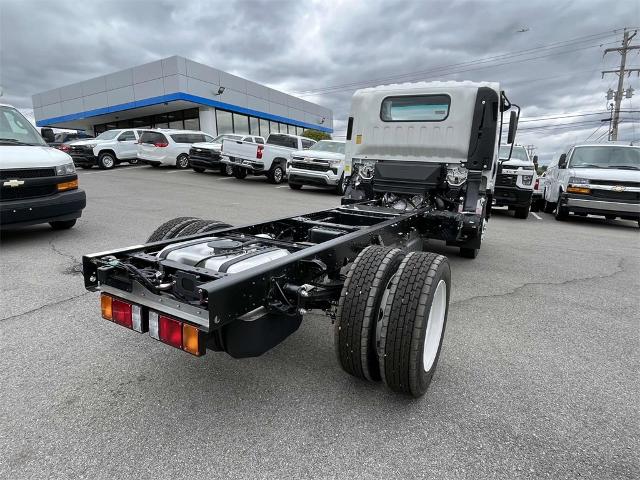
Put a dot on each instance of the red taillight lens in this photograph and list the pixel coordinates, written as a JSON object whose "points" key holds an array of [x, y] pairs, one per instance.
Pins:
{"points": [[537, 185], [64, 148], [170, 331], [259, 152], [161, 144], [121, 313]]}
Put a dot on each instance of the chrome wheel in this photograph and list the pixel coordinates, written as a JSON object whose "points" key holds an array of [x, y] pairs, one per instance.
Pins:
{"points": [[182, 161]]}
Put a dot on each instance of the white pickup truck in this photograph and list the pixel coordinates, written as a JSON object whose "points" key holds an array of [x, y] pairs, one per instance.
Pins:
{"points": [[269, 159]]}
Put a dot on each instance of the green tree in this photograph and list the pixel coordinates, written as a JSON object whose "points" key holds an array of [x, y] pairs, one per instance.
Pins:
{"points": [[316, 135]]}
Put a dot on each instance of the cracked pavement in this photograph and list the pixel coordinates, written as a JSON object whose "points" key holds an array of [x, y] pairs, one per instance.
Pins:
{"points": [[538, 376]]}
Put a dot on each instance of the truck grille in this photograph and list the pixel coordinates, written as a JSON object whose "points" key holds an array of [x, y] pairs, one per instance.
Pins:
{"points": [[503, 180], [19, 193], [19, 173], [80, 149], [615, 196], [202, 153], [314, 167]]}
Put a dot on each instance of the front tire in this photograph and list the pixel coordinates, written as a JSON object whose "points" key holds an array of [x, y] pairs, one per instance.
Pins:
{"points": [[466, 252], [342, 186], [549, 207], [226, 170], [295, 186], [521, 212], [239, 173], [562, 212], [182, 161], [198, 169], [413, 322], [63, 225], [359, 310], [106, 161]]}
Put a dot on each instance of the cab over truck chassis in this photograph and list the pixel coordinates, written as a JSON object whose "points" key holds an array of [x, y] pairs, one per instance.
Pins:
{"points": [[202, 285]]}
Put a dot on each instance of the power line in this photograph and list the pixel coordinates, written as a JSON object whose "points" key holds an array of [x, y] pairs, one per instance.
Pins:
{"points": [[562, 44]]}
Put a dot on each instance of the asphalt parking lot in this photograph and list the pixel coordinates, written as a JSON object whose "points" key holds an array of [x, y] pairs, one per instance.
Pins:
{"points": [[538, 376]]}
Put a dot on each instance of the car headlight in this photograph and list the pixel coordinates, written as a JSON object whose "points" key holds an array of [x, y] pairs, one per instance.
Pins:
{"points": [[578, 181], [456, 175], [334, 161], [527, 179], [66, 169], [91, 145]]}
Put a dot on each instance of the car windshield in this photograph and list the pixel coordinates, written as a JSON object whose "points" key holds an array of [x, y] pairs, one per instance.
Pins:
{"points": [[108, 135], [228, 136], [606, 156], [17, 130], [328, 146], [519, 153]]}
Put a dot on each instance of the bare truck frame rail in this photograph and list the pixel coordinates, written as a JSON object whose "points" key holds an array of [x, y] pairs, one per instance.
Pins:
{"points": [[248, 312]]}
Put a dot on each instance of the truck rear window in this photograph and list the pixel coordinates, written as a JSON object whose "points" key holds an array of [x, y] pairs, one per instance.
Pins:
{"points": [[282, 140], [152, 137], [415, 108]]}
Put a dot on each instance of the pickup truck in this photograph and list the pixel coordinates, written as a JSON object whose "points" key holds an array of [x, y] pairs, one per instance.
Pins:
{"points": [[206, 155], [321, 165], [106, 150], [269, 159], [514, 181]]}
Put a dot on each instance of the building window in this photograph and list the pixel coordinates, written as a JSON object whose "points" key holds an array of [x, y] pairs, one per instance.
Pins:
{"points": [[264, 127], [224, 122], [254, 129], [240, 124]]}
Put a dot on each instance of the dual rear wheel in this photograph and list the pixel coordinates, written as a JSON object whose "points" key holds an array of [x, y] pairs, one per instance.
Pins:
{"points": [[391, 317]]}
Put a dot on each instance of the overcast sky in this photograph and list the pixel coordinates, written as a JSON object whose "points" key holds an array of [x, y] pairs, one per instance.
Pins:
{"points": [[306, 47]]}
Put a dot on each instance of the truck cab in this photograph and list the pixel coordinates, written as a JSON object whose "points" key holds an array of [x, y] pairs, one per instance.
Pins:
{"points": [[514, 180], [431, 144]]}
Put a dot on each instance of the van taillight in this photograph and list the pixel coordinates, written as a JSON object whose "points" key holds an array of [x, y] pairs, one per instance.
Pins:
{"points": [[161, 144], [259, 152], [537, 185]]}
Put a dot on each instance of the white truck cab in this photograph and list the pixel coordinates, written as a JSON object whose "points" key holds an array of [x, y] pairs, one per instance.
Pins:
{"points": [[269, 159], [433, 146], [514, 180], [39, 183], [321, 165], [597, 179], [106, 150]]}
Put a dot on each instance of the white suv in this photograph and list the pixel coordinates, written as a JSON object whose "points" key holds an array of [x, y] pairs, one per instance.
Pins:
{"points": [[168, 147], [106, 150]]}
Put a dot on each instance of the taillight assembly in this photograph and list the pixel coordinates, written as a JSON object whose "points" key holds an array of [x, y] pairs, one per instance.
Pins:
{"points": [[537, 184], [64, 148], [259, 152], [160, 144], [177, 334], [123, 313]]}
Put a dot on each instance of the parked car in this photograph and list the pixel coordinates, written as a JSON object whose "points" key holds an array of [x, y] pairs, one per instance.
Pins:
{"points": [[597, 179], [514, 181], [322, 165], [537, 202], [107, 150], [62, 140], [168, 147], [206, 155], [269, 159], [39, 183]]}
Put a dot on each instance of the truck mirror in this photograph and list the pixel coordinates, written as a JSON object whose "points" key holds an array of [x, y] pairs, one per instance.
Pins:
{"points": [[47, 134], [562, 163], [513, 125], [535, 159]]}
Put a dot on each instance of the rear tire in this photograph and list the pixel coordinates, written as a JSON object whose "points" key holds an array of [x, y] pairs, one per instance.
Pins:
{"points": [[170, 228], [182, 161], [226, 170], [133, 161], [466, 252], [63, 225], [341, 187], [413, 322], [276, 174], [562, 213], [549, 207], [359, 310], [198, 169], [239, 173], [295, 186], [201, 226]]}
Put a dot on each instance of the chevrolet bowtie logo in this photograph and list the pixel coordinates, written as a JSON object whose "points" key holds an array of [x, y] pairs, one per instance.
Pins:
{"points": [[618, 188], [13, 183]]}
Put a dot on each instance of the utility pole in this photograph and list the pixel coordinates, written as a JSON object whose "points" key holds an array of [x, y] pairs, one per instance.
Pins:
{"points": [[617, 96], [530, 149]]}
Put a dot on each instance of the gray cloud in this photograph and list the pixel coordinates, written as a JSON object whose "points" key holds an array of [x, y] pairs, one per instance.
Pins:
{"points": [[306, 46]]}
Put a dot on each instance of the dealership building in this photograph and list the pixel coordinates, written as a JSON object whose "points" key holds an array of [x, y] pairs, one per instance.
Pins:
{"points": [[176, 92]]}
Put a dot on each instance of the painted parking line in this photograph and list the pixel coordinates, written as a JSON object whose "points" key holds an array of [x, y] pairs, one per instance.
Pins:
{"points": [[536, 215], [282, 186], [225, 178], [179, 171], [114, 170]]}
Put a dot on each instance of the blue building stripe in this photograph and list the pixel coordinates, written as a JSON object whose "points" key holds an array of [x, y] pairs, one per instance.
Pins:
{"points": [[172, 97]]}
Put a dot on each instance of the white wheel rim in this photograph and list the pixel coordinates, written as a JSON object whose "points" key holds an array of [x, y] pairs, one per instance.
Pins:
{"points": [[435, 323], [277, 174], [107, 161], [229, 170], [183, 162]]}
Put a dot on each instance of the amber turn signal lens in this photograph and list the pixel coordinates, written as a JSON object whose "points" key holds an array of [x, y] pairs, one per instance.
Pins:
{"points": [[68, 185], [191, 340], [578, 190], [105, 306]]}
